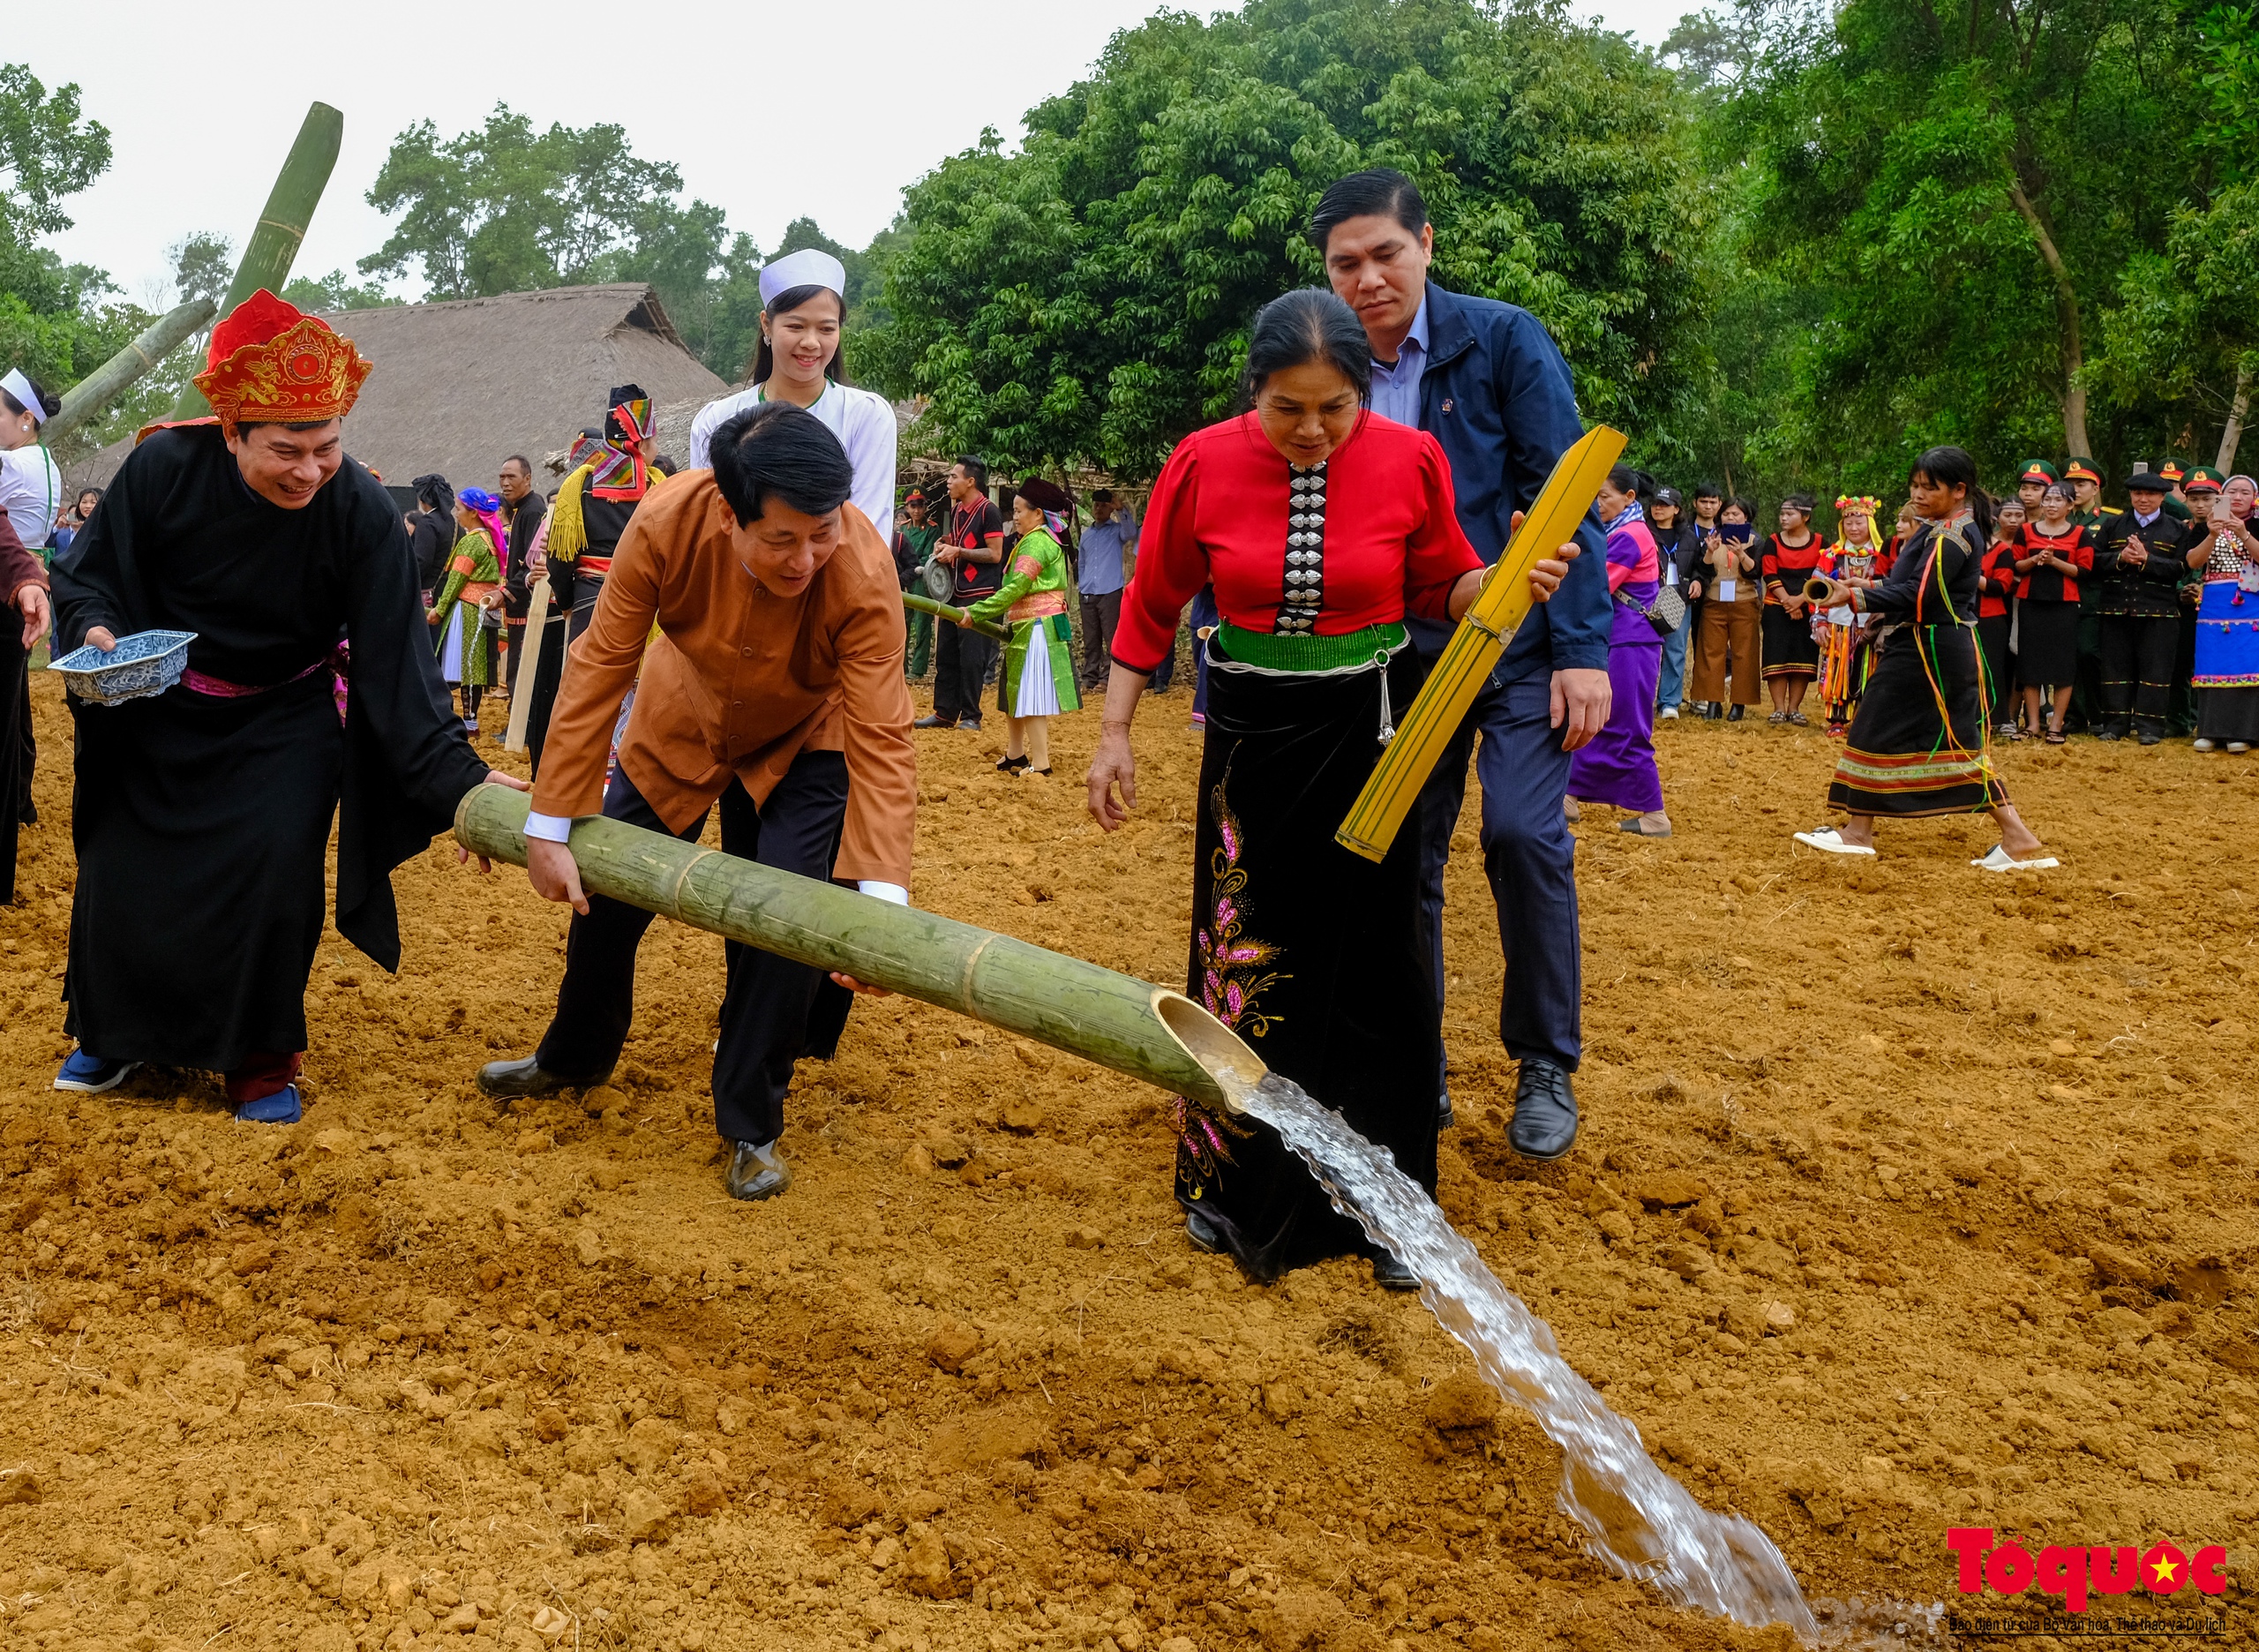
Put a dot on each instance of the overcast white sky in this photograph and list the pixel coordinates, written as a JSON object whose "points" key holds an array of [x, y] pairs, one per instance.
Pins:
{"points": [[771, 111]]}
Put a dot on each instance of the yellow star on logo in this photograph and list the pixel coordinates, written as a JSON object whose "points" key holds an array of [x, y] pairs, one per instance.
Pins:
{"points": [[2163, 1569]]}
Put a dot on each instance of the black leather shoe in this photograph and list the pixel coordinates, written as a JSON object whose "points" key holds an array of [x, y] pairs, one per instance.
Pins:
{"points": [[934, 720], [1203, 1235], [1545, 1112], [1709, 710], [2109, 734], [970, 725], [2149, 737], [1735, 714], [1390, 1274], [1013, 765], [529, 1078], [757, 1170], [1445, 1117]]}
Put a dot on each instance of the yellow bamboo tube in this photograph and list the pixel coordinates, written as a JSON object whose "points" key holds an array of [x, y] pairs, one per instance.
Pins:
{"points": [[1378, 814]]}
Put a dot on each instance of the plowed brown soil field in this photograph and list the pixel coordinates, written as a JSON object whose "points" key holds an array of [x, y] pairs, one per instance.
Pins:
{"points": [[1909, 1198]]}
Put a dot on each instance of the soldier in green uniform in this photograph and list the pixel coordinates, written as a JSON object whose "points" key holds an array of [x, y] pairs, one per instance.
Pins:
{"points": [[2033, 479], [2087, 508]]}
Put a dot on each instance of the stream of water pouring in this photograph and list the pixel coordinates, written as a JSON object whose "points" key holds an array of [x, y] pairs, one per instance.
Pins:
{"points": [[1638, 1518]]}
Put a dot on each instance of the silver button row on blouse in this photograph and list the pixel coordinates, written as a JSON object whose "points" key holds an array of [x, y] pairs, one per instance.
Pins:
{"points": [[1305, 577]]}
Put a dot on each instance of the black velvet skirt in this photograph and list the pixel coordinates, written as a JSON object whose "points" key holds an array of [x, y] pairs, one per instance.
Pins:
{"points": [[1312, 954]]}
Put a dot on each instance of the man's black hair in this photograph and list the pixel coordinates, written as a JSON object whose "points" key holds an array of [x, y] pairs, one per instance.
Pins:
{"points": [[1384, 192], [1104, 496], [523, 463], [1710, 490], [977, 468], [776, 449]]}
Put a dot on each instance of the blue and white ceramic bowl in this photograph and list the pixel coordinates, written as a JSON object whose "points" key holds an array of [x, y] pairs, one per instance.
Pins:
{"points": [[146, 663]]}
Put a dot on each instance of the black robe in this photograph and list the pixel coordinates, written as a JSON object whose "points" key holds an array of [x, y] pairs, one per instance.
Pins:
{"points": [[201, 822]]}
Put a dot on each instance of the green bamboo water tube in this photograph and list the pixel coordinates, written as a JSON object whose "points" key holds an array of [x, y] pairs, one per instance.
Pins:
{"points": [[1113, 1019]]}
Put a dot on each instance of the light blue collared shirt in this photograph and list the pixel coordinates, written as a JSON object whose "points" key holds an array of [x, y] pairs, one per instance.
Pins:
{"points": [[1396, 390]]}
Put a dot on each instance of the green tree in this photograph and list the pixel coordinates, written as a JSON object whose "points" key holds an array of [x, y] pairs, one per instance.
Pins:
{"points": [[507, 208], [1952, 191], [1087, 298], [336, 291], [57, 320], [2186, 330]]}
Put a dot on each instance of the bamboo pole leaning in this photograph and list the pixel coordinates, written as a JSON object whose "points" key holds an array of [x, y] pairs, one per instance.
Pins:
{"points": [[1113, 1019], [87, 399], [274, 245]]}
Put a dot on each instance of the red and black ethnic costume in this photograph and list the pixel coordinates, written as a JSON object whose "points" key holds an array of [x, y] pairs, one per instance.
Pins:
{"points": [[201, 815], [1313, 954]]}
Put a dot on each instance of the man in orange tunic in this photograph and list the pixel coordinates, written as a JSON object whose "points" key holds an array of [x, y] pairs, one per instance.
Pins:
{"points": [[776, 687]]}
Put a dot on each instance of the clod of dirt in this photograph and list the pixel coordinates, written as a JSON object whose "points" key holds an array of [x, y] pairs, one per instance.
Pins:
{"points": [[1022, 1116], [643, 1516], [952, 1344], [946, 1151], [1462, 1400], [18, 1485], [927, 1568], [1668, 1188]]}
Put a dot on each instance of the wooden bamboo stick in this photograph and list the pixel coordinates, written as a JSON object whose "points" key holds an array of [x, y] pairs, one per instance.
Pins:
{"points": [[274, 245], [528, 665], [114, 377], [1395, 783], [949, 615], [1114, 1020]]}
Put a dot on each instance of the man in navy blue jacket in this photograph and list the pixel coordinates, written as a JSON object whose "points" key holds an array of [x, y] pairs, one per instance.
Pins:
{"points": [[1488, 381]]}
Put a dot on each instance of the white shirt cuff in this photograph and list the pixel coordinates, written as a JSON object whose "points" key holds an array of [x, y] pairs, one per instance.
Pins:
{"points": [[549, 828], [893, 893]]}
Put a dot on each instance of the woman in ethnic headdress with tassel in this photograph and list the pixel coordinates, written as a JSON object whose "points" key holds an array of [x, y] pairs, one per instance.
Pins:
{"points": [[1038, 681], [1917, 746], [1846, 650], [202, 814], [470, 592], [1321, 525], [612, 470]]}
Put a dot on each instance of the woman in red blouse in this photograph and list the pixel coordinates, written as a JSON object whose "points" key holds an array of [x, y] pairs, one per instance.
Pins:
{"points": [[1320, 525], [1791, 652], [2049, 556]]}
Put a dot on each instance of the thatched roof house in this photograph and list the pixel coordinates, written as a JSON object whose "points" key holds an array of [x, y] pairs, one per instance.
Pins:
{"points": [[460, 387]]}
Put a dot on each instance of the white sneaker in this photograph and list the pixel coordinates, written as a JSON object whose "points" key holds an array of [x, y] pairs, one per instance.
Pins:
{"points": [[2238, 747], [2000, 860], [1669, 714], [2205, 745], [1829, 839]]}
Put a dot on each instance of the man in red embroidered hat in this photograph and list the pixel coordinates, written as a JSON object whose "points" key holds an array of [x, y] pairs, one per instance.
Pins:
{"points": [[202, 812]]}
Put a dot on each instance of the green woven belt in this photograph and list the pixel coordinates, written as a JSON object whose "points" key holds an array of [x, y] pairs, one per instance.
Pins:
{"points": [[1269, 652]]}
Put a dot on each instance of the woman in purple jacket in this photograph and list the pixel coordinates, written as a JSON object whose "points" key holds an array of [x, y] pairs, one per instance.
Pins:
{"points": [[1618, 767]]}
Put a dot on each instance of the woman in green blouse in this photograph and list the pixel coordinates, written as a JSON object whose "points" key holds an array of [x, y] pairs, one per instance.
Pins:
{"points": [[473, 587], [1038, 681]]}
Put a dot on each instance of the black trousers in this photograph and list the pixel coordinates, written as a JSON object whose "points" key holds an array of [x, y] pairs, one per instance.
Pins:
{"points": [[774, 1012], [2137, 653], [961, 663], [15, 745], [1999, 687], [548, 672]]}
